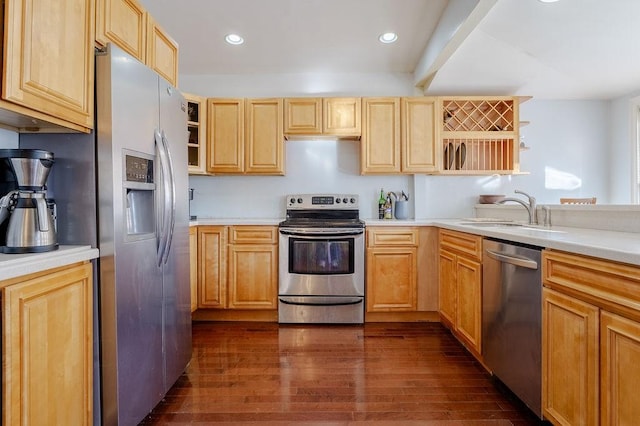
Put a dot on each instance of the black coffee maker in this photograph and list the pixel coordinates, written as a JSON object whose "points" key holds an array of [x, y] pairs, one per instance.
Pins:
{"points": [[27, 221]]}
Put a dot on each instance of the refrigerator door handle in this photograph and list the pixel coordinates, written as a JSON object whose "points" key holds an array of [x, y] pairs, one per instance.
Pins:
{"points": [[166, 202], [172, 194]]}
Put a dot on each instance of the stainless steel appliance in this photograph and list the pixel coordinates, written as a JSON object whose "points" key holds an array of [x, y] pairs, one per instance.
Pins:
{"points": [[31, 227], [321, 260], [512, 318], [124, 189]]}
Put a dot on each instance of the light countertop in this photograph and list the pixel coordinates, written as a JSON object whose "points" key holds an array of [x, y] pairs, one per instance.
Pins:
{"points": [[15, 265], [610, 245]]}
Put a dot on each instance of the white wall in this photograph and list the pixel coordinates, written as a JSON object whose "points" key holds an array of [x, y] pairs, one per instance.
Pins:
{"points": [[621, 149], [569, 143], [8, 139]]}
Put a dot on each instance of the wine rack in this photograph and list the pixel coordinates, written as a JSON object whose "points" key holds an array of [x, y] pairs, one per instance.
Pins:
{"points": [[479, 135]]}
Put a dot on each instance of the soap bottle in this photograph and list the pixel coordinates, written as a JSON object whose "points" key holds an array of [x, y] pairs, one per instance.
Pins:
{"points": [[381, 203]]}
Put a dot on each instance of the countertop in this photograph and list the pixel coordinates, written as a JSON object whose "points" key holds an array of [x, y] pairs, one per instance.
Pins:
{"points": [[610, 245], [15, 265]]}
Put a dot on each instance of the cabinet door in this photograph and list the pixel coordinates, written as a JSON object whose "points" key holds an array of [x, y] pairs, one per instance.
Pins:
{"points": [[48, 349], [570, 369], [447, 290], [419, 135], [193, 266], [303, 116], [225, 136], [197, 127], [620, 370], [391, 279], [35, 73], [253, 276], [162, 52], [380, 144], [212, 243], [122, 22], [469, 301], [264, 139], [341, 116]]}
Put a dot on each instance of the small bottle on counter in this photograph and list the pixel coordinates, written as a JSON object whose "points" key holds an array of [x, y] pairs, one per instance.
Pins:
{"points": [[381, 203], [388, 207]]}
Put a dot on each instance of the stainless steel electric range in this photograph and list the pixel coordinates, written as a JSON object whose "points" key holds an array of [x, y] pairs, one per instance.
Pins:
{"points": [[321, 260]]}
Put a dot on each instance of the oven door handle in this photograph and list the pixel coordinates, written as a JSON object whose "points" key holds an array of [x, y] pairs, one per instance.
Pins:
{"points": [[320, 232], [322, 301]]}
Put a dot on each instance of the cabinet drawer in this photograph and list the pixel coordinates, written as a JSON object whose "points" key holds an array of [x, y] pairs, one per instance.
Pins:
{"points": [[253, 235], [462, 243], [392, 236], [607, 284]]}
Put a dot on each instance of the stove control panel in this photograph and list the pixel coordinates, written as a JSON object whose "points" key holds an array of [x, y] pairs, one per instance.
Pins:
{"points": [[322, 201]]}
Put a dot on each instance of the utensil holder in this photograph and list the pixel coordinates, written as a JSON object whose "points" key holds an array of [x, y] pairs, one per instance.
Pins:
{"points": [[401, 210]]}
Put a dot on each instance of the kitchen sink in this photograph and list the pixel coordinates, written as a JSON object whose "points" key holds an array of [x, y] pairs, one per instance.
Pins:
{"points": [[511, 225]]}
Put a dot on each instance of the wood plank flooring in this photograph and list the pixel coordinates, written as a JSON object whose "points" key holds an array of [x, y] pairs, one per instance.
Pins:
{"points": [[379, 373]]}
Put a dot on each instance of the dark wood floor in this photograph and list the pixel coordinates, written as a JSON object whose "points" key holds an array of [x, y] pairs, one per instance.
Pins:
{"points": [[409, 374]]}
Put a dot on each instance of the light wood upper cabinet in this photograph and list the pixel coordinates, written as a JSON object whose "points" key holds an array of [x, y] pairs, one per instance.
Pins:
{"points": [[392, 269], [162, 52], [303, 116], [122, 22], [35, 74], [245, 136], [341, 116], [197, 127], [380, 143], [47, 348], [419, 135], [264, 139], [127, 24], [225, 136]]}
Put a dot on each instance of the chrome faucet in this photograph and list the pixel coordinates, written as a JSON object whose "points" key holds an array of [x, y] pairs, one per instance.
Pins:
{"points": [[530, 205]]}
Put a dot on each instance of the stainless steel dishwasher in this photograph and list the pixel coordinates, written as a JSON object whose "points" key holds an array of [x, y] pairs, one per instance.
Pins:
{"points": [[512, 318]]}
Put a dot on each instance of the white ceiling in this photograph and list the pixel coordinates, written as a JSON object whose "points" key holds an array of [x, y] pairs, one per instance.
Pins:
{"points": [[572, 49]]}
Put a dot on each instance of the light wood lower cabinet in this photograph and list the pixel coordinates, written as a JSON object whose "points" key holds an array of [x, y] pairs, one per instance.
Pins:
{"points": [[47, 348], [212, 266], [460, 278], [238, 267], [591, 340], [392, 264]]}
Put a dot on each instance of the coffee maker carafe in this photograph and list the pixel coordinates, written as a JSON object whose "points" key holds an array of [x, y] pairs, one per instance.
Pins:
{"points": [[31, 227]]}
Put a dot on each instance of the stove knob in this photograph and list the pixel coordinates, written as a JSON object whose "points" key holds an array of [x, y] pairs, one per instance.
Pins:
{"points": [[345, 200], [352, 201], [338, 200], [292, 201], [299, 200]]}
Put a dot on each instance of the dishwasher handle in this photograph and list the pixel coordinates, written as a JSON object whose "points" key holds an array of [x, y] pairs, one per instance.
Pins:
{"points": [[522, 261]]}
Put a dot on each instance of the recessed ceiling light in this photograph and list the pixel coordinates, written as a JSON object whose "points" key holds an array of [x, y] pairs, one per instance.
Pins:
{"points": [[388, 37], [233, 39], [548, 1]]}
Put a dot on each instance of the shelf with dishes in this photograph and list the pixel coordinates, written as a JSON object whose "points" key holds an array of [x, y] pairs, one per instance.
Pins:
{"points": [[480, 135]]}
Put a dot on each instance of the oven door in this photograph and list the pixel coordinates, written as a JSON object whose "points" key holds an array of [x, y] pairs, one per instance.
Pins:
{"points": [[321, 262]]}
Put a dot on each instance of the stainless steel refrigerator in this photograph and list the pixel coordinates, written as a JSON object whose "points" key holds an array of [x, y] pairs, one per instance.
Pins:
{"points": [[124, 188]]}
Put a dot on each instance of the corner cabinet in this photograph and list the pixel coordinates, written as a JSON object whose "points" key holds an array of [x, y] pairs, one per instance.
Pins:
{"points": [[245, 136], [39, 82], [590, 340], [197, 127], [479, 135], [47, 348], [460, 278]]}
